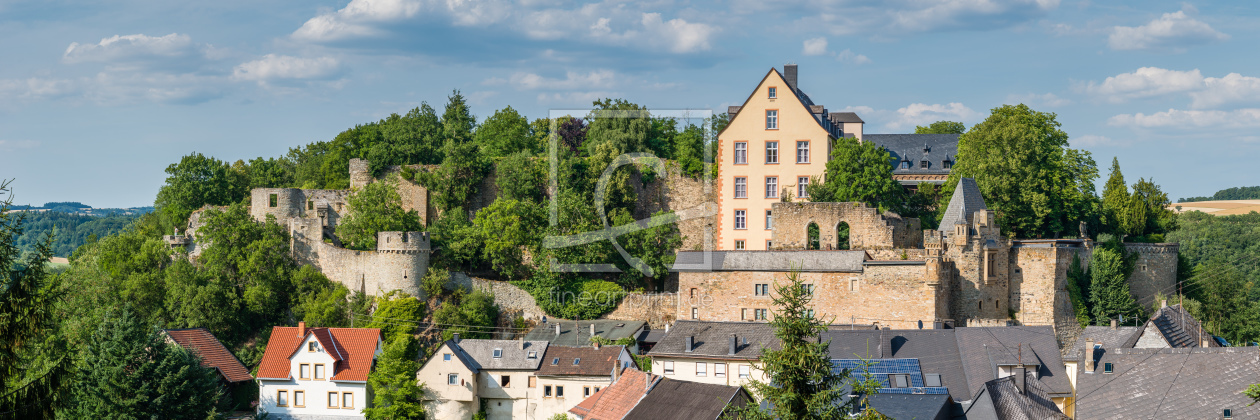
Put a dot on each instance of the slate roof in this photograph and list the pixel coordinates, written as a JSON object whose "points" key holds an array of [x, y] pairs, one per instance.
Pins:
{"points": [[845, 117], [983, 349], [212, 353], [824, 261], [616, 400], [1104, 335], [712, 340], [908, 406], [962, 205], [880, 369], [915, 148], [591, 361], [513, 357], [578, 333], [1001, 399], [352, 348], [1176, 383], [936, 350], [1179, 328], [805, 101], [674, 399]]}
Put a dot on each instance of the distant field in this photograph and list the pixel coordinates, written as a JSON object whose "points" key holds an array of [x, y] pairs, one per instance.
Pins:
{"points": [[1220, 208]]}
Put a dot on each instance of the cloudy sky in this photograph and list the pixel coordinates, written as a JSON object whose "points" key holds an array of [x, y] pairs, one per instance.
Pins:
{"points": [[97, 98]]}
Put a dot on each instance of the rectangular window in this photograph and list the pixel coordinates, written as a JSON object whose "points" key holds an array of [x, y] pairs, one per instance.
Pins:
{"points": [[808, 289], [739, 245], [1107, 368], [802, 152], [282, 398], [347, 400], [546, 390], [809, 313], [304, 371], [741, 187], [774, 92], [741, 153], [332, 400], [505, 380], [719, 370], [743, 314], [760, 314], [586, 391], [853, 285], [762, 289], [947, 164], [452, 379], [769, 220], [299, 399], [772, 152], [497, 354], [319, 371], [741, 219], [923, 164], [702, 369], [899, 381], [311, 346], [772, 187], [446, 357], [932, 379], [768, 247], [802, 186], [668, 367], [310, 205], [772, 119], [743, 371], [559, 391], [695, 313], [271, 199]]}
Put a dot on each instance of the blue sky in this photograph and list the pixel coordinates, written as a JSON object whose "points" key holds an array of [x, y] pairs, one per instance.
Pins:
{"points": [[97, 98]]}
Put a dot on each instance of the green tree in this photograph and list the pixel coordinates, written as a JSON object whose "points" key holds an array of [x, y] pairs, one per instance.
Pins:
{"points": [[654, 246], [803, 383], [506, 229], [129, 371], [1109, 290], [1078, 287], [458, 122], [521, 177], [941, 127], [471, 315], [504, 133], [198, 181], [1020, 160], [375, 208], [1159, 218], [861, 172], [689, 150], [1115, 197], [622, 126], [1224, 308], [395, 393], [396, 312]]}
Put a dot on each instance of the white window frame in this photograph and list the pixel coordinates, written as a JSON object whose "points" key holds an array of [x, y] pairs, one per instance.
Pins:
{"points": [[772, 152], [741, 153], [802, 187], [667, 367], [319, 371], [744, 372], [702, 369], [773, 92], [741, 219], [739, 245], [741, 187], [719, 370], [772, 119], [695, 313], [334, 399], [802, 151], [769, 219], [452, 379], [772, 187]]}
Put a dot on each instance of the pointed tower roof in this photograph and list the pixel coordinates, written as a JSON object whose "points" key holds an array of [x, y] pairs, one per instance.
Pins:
{"points": [[965, 202]]}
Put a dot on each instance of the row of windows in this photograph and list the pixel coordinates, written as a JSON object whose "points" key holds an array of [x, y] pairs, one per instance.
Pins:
{"points": [[304, 371], [772, 187], [702, 369], [772, 152], [740, 245], [923, 164], [335, 399]]}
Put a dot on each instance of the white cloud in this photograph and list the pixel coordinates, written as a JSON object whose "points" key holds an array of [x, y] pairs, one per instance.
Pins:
{"points": [[1184, 119], [924, 114], [848, 56], [274, 67], [609, 22], [1092, 140], [815, 46], [1047, 99], [597, 79], [131, 47], [904, 17], [1172, 32], [1146, 82], [1233, 88]]}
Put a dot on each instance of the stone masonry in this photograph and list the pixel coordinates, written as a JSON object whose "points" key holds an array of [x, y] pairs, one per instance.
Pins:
{"points": [[867, 228]]}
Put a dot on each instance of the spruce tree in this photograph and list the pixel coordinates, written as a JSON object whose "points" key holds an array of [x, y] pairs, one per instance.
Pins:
{"points": [[1109, 291], [1115, 198]]}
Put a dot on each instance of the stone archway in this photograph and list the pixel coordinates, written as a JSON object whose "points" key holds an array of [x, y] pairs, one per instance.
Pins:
{"points": [[812, 235], [842, 236]]}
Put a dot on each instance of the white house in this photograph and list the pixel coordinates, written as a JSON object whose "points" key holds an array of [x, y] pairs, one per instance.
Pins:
{"points": [[464, 376], [317, 373], [712, 352]]}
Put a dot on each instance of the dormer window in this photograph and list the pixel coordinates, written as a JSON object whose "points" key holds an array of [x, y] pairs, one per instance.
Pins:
{"points": [[774, 92], [498, 353], [905, 164], [312, 346], [923, 164], [1108, 368], [576, 361], [947, 164]]}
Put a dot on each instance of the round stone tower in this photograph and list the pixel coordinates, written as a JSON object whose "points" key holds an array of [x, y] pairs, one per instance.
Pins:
{"points": [[284, 203]]}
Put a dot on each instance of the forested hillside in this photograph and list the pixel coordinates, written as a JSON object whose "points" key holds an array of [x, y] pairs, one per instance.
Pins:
{"points": [[72, 230], [1236, 193]]}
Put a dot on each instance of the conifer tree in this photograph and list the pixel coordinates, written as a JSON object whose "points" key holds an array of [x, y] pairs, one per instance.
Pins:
{"points": [[1115, 197], [1109, 290]]}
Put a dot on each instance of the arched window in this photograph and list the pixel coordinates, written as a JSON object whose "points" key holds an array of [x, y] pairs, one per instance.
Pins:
{"points": [[842, 236], [811, 238], [980, 305]]}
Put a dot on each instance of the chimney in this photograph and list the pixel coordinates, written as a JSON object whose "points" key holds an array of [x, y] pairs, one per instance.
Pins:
{"points": [[731, 352], [592, 330], [557, 328], [522, 340], [595, 344], [616, 372], [1021, 380], [301, 329], [691, 339], [1089, 355], [1163, 303], [789, 75], [1113, 324], [455, 338], [667, 328]]}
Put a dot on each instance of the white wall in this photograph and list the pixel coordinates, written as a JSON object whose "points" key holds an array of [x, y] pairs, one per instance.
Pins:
{"points": [[685, 370], [315, 390]]}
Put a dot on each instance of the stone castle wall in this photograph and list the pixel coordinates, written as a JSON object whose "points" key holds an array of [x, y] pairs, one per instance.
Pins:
{"points": [[867, 228], [657, 309], [512, 300], [395, 265], [1154, 273]]}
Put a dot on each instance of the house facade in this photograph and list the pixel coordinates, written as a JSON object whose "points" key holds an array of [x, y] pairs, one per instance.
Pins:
{"points": [[317, 373], [569, 375], [721, 353]]}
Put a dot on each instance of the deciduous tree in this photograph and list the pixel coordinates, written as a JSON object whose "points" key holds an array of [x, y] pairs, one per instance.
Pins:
{"points": [[375, 208]]}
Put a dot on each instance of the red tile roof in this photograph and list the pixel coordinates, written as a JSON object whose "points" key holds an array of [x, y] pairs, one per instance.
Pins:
{"points": [[352, 348], [212, 353], [616, 400]]}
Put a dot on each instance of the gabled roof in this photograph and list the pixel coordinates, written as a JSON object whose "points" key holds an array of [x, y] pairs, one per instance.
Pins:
{"points": [[212, 353], [983, 349], [578, 333], [712, 340], [616, 400], [1170, 383], [674, 399], [909, 406], [1178, 328], [963, 204], [590, 361], [845, 117], [936, 350], [353, 350], [1001, 399], [514, 354], [1104, 336], [801, 97]]}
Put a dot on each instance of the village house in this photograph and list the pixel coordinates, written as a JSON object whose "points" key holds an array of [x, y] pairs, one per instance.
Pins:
{"points": [[561, 332], [719, 353], [569, 375], [642, 395], [317, 373]]}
